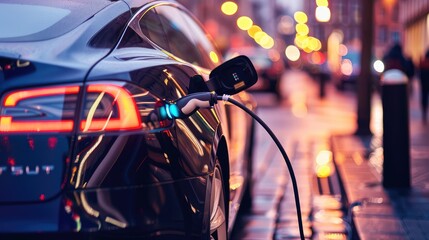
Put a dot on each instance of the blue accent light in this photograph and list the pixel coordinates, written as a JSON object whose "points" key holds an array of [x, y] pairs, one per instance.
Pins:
{"points": [[167, 108], [174, 110], [163, 112]]}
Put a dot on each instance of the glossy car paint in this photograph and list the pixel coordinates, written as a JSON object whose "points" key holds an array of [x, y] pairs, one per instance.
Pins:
{"points": [[154, 181]]}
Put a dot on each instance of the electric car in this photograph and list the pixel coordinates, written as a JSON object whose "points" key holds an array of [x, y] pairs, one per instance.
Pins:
{"points": [[89, 148]]}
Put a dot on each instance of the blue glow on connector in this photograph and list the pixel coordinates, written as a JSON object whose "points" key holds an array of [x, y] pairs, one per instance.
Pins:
{"points": [[169, 111], [167, 108], [174, 110], [163, 112]]}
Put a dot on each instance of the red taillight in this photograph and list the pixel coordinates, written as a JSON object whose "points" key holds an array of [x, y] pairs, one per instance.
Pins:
{"points": [[24, 111], [122, 114], [106, 107]]}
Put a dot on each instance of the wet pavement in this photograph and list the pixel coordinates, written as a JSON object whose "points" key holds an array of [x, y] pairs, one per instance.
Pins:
{"points": [[303, 123], [339, 174]]}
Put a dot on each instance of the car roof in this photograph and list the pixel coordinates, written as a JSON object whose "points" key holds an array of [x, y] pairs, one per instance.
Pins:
{"points": [[32, 20]]}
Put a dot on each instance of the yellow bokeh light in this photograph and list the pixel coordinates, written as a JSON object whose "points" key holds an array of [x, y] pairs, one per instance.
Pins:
{"points": [[214, 57], [304, 43], [324, 164], [299, 40], [323, 171], [322, 3], [244, 23], [267, 42], [300, 17], [229, 8], [314, 44], [259, 35], [307, 49], [302, 29], [264, 40], [253, 30]]}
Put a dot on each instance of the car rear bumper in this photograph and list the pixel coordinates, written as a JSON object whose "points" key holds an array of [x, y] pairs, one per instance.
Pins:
{"points": [[174, 210]]}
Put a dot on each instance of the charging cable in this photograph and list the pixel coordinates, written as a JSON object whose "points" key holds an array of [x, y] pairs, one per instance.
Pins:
{"points": [[187, 105]]}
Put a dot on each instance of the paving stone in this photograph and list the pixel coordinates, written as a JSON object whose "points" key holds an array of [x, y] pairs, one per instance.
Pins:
{"points": [[375, 236], [258, 222], [292, 232], [255, 235], [379, 225], [381, 210], [293, 223]]}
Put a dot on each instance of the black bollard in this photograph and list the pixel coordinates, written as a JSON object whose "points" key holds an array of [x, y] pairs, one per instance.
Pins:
{"points": [[396, 134]]}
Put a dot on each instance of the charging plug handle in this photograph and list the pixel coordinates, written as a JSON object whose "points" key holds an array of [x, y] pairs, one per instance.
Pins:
{"points": [[189, 104]]}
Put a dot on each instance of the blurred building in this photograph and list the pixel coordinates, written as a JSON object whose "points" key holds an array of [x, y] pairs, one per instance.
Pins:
{"points": [[388, 27], [414, 15], [346, 19], [223, 28]]}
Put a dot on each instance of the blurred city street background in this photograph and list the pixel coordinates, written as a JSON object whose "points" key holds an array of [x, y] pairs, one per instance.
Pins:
{"points": [[321, 65]]}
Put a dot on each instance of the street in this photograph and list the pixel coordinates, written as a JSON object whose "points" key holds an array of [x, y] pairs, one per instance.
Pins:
{"points": [[302, 122]]}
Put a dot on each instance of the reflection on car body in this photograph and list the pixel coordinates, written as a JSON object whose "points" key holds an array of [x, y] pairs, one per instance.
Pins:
{"points": [[82, 155]]}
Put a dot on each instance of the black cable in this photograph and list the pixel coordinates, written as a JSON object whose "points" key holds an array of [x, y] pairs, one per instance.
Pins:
{"points": [[283, 152]]}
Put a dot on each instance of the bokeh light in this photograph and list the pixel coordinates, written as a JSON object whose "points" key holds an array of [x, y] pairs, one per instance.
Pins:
{"points": [[292, 53], [378, 66], [302, 29], [323, 14], [259, 35], [244, 23], [322, 3], [300, 17], [214, 57], [343, 50], [324, 164], [346, 67], [229, 8], [253, 30], [267, 42]]}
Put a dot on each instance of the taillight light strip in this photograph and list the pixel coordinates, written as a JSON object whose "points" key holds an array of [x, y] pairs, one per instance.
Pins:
{"points": [[7, 124], [128, 114]]}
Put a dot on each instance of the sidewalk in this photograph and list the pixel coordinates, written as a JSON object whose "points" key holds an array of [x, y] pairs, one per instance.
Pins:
{"points": [[328, 125], [375, 212]]}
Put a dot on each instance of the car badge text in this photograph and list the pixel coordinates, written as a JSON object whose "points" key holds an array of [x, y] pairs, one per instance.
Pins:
{"points": [[26, 170]]}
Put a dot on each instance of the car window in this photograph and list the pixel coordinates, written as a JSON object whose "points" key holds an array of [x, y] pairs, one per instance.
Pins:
{"points": [[202, 41], [132, 39], [178, 34], [22, 20], [151, 27], [109, 35], [30, 21]]}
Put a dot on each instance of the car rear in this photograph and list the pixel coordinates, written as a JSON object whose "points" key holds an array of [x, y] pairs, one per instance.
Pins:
{"points": [[85, 159], [41, 101]]}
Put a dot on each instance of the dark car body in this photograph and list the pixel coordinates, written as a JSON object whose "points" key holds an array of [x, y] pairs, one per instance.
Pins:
{"points": [[81, 154]]}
